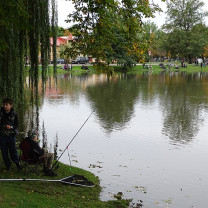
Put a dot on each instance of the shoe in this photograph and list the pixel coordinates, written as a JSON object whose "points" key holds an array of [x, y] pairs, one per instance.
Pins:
{"points": [[50, 173]]}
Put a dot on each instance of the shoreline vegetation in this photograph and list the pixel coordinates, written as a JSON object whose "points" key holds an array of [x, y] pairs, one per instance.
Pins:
{"points": [[39, 194], [155, 68]]}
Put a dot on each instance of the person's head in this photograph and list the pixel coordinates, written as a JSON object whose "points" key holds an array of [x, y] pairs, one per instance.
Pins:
{"points": [[7, 104], [33, 134]]}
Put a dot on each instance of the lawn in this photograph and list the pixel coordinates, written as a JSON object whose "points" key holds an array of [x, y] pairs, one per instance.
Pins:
{"points": [[139, 68], [39, 194], [155, 68]]}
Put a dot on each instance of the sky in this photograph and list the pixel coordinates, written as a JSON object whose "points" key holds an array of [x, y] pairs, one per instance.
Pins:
{"points": [[66, 7]]}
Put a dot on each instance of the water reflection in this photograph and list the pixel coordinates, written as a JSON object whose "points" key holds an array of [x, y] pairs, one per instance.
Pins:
{"points": [[114, 101], [182, 98], [182, 122], [182, 114], [180, 95]]}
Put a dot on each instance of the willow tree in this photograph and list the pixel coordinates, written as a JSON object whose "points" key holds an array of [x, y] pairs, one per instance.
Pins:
{"points": [[12, 44], [99, 26], [24, 38], [54, 28], [24, 26]]}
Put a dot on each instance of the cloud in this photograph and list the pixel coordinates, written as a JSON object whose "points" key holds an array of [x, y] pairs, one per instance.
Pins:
{"points": [[64, 8]]}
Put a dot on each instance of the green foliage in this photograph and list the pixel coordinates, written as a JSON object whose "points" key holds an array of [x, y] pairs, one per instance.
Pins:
{"points": [[24, 34], [186, 35], [60, 31], [44, 37], [185, 44], [184, 14], [69, 52], [108, 30], [54, 22]]}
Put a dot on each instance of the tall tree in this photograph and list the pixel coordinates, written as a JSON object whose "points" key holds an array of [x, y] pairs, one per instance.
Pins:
{"points": [[154, 37], [101, 25], [181, 26], [24, 26], [184, 14]]}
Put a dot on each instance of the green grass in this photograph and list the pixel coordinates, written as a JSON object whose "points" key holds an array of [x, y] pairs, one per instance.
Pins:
{"points": [[136, 69], [75, 69], [139, 68], [156, 69], [37, 194]]}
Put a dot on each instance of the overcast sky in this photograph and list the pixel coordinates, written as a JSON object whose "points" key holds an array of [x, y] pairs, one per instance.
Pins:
{"points": [[66, 7]]}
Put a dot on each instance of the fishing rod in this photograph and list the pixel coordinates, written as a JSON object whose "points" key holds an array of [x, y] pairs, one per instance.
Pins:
{"points": [[72, 139]]}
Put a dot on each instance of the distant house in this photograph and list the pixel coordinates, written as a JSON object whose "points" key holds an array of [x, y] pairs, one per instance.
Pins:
{"points": [[61, 42]]}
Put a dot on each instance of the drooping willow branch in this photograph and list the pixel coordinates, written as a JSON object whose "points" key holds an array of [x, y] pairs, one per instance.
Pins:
{"points": [[24, 39]]}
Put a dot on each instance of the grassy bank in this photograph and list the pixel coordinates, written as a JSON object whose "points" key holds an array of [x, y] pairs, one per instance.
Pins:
{"points": [[136, 69], [36, 194], [75, 69], [156, 68]]}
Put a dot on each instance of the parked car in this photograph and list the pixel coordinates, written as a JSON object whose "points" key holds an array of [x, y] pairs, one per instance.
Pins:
{"points": [[80, 60], [59, 61]]}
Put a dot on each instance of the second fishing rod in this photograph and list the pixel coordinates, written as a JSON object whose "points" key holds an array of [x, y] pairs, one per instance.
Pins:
{"points": [[72, 140]]}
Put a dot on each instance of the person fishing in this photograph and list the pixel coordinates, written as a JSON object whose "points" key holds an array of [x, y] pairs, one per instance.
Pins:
{"points": [[38, 153], [8, 132]]}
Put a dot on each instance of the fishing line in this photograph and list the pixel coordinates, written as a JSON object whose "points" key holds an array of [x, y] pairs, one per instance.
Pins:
{"points": [[73, 138]]}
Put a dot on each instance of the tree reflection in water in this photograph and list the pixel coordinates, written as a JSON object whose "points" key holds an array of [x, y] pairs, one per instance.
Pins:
{"points": [[182, 98], [114, 101], [183, 114]]}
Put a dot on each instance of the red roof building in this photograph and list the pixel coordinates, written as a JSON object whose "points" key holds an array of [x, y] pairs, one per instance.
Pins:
{"points": [[60, 43]]}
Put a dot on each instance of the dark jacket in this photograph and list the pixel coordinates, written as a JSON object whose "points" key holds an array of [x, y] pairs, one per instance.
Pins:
{"points": [[8, 119], [35, 150]]}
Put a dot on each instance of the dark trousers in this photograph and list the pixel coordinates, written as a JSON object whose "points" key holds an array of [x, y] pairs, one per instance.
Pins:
{"points": [[8, 148]]}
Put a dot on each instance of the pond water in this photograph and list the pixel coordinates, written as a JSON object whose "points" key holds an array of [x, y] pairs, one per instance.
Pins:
{"points": [[146, 138]]}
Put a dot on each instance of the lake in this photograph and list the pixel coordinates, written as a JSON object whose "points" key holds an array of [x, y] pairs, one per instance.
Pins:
{"points": [[146, 137]]}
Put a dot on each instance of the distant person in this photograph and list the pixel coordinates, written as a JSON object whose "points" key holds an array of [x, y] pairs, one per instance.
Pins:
{"points": [[66, 67], [8, 132], [38, 153], [182, 64]]}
